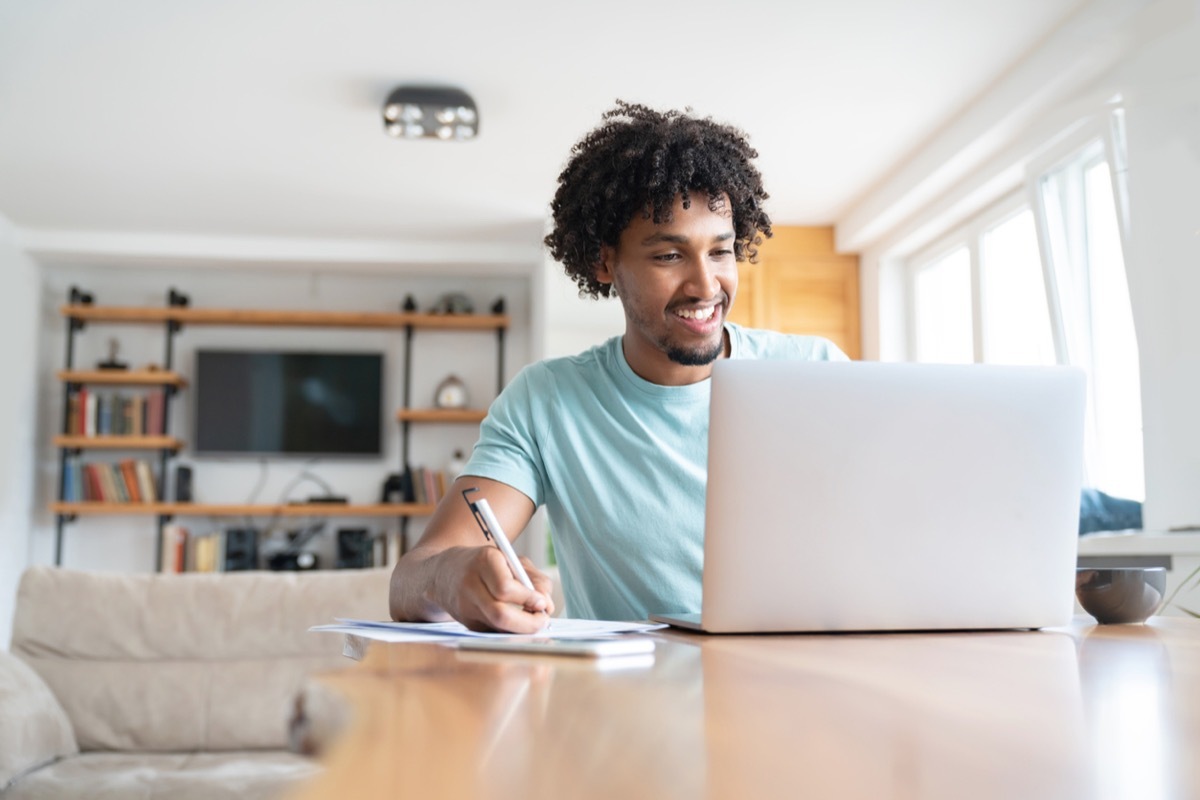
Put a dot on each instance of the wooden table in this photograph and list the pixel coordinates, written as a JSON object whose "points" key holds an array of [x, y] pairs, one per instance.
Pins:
{"points": [[1082, 712]]}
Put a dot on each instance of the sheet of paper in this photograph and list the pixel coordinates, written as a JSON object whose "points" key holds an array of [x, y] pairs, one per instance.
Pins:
{"points": [[382, 634], [559, 628]]}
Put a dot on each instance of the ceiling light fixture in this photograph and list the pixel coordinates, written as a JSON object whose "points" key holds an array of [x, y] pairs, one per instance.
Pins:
{"points": [[430, 112]]}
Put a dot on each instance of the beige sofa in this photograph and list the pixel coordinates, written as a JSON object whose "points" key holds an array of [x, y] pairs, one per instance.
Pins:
{"points": [[179, 686]]}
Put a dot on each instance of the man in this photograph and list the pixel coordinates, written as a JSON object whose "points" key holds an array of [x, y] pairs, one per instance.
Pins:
{"points": [[657, 209]]}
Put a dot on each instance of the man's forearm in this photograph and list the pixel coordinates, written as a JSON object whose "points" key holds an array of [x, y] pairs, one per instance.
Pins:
{"points": [[413, 587]]}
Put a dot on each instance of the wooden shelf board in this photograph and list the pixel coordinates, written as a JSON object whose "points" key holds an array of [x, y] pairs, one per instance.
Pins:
{"points": [[298, 319], [119, 442], [121, 377], [233, 510], [475, 415]]}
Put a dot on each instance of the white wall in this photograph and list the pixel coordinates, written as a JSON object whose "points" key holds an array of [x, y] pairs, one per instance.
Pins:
{"points": [[574, 323], [128, 543], [19, 420], [1158, 77], [1162, 87]]}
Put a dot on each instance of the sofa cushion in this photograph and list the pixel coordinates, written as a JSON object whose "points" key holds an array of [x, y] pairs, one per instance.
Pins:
{"points": [[169, 776], [34, 729], [185, 662]]}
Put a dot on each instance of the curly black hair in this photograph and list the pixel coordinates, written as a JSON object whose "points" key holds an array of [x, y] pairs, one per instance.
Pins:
{"points": [[638, 161]]}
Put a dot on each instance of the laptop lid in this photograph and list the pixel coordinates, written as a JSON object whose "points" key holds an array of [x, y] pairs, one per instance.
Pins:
{"points": [[873, 496]]}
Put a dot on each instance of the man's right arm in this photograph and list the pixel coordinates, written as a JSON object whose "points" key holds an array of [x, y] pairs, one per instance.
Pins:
{"points": [[455, 572]]}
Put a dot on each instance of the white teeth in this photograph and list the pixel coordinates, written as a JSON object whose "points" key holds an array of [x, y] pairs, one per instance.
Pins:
{"points": [[697, 314]]}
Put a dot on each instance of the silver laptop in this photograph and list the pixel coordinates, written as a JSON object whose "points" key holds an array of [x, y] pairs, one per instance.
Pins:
{"points": [[876, 497]]}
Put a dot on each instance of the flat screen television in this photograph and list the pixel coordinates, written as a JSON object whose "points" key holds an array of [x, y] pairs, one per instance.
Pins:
{"points": [[274, 403]]}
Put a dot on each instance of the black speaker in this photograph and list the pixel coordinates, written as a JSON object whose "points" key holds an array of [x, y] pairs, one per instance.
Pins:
{"points": [[183, 484], [241, 549], [355, 550]]}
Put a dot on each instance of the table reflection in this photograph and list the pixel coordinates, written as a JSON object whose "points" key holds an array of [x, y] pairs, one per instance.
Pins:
{"points": [[1125, 674], [945, 715]]}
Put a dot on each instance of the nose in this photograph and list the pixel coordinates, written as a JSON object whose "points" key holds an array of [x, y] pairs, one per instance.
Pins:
{"points": [[703, 278]]}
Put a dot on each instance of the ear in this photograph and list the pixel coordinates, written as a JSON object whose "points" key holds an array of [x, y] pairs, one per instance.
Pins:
{"points": [[604, 267]]}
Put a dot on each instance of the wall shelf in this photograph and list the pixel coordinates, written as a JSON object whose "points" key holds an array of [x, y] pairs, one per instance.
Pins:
{"points": [[118, 442], [474, 415], [233, 510], [80, 312], [184, 315], [121, 377]]}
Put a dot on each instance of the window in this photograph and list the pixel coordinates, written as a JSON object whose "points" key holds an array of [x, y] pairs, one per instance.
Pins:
{"points": [[980, 295], [942, 300], [1016, 318], [1039, 278], [1083, 243]]}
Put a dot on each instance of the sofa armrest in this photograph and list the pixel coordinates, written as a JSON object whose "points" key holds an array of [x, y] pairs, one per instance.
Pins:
{"points": [[34, 728]]}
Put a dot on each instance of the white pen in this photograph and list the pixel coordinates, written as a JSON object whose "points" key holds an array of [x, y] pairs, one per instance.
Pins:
{"points": [[492, 530]]}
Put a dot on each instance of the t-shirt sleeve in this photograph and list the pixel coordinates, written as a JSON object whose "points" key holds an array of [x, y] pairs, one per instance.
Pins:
{"points": [[507, 450], [828, 351]]}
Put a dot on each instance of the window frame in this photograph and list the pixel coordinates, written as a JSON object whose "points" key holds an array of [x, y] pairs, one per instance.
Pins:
{"points": [[969, 234]]}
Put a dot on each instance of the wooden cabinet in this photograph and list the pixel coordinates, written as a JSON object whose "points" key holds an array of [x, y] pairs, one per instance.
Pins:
{"points": [[801, 285]]}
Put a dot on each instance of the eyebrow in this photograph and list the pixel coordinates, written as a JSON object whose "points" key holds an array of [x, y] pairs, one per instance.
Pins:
{"points": [[674, 238]]}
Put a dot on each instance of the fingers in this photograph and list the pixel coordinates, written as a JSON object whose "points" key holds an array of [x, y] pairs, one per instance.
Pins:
{"points": [[498, 601], [542, 582]]}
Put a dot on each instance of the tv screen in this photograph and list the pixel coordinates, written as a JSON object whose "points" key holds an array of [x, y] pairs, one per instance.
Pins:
{"points": [[282, 403]]}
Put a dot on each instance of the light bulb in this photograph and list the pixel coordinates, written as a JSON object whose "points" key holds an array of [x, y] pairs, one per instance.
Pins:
{"points": [[445, 132], [395, 129], [444, 115], [412, 113], [466, 114], [463, 132], [413, 131], [391, 112]]}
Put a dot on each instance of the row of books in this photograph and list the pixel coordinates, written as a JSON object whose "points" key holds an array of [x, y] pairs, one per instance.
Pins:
{"points": [[424, 486], [108, 413], [126, 481], [183, 551]]}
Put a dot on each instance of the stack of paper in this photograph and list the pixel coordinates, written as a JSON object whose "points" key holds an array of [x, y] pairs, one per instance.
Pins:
{"points": [[448, 631]]}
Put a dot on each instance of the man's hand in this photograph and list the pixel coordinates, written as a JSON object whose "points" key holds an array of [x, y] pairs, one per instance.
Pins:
{"points": [[455, 571], [476, 586]]}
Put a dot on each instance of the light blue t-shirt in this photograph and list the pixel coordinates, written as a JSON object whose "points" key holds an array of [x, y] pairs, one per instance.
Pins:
{"points": [[621, 466]]}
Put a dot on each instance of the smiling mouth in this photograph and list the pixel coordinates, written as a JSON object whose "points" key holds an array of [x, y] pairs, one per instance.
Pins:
{"points": [[697, 314]]}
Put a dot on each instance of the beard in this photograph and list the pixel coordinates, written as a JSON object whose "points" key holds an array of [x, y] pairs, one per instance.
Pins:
{"points": [[696, 357]]}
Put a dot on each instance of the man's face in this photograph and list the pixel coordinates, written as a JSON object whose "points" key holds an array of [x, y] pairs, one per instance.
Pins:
{"points": [[676, 282]]}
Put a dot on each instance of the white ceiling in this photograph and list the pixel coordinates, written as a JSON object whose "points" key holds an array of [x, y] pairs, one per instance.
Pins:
{"points": [[261, 119]]}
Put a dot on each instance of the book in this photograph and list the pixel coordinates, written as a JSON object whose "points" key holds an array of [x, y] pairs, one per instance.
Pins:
{"points": [[137, 415], [205, 552], [91, 483], [129, 478], [145, 480], [174, 548], [73, 425], [117, 483], [103, 415], [89, 412], [154, 412]]}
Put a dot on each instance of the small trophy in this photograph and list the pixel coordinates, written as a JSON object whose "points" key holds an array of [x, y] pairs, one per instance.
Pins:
{"points": [[111, 362]]}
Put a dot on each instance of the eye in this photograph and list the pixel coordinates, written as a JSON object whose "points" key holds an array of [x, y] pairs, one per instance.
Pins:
{"points": [[724, 252], [667, 258]]}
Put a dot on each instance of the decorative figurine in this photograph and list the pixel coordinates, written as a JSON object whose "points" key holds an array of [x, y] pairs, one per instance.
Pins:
{"points": [[451, 393], [453, 303], [111, 362]]}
